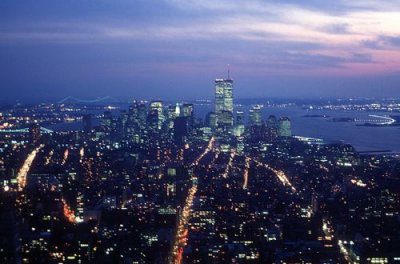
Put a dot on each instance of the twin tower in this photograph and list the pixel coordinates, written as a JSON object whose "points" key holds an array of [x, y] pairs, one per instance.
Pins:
{"points": [[223, 118], [224, 103]]}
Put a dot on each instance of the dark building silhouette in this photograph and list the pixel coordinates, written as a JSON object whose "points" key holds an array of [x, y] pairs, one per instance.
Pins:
{"points": [[87, 122], [181, 129]]}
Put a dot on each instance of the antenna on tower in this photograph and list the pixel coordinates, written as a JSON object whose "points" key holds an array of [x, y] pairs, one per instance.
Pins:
{"points": [[229, 75]]}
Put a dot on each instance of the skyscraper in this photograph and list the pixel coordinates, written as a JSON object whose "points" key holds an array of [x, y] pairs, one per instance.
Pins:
{"points": [[211, 120], [239, 127], [172, 114], [156, 115], [181, 129], [142, 113], [284, 129], [255, 116], [106, 120], [239, 118], [272, 122], [187, 110], [224, 103], [223, 95], [272, 128]]}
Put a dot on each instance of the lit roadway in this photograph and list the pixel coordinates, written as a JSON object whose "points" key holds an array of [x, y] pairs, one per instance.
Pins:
{"points": [[66, 153], [231, 157], [246, 172], [23, 172], [208, 149], [81, 154], [278, 173], [69, 214], [48, 158], [184, 216], [182, 229]]}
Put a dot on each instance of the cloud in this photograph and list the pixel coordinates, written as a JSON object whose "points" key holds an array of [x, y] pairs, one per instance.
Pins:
{"points": [[395, 41], [336, 29], [285, 33], [361, 58]]}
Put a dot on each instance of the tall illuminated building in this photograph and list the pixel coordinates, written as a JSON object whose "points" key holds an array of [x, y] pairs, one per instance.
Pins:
{"points": [[223, 95], [156, 115], [106, 120], [224, 103], [187, 111], [211, 120], [142, 113], [284, 128], [255, 116], [172, 114], [239, 118], [272, 127], [239, 125], [272, 122], [137, 114]]}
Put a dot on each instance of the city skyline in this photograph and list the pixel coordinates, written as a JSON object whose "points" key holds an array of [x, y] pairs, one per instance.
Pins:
{"points": [[150, 183], [211, 131], [172, 49]]}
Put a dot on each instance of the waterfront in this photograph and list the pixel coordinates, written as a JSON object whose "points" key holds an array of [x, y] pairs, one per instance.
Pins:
{"points": [[120, 191], [363, 138], [310, 123]]}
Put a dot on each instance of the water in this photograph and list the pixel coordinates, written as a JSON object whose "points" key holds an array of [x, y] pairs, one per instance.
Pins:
{"points": [[363, 138]]}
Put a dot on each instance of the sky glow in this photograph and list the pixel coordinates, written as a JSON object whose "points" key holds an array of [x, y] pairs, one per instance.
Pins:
{"points": [[175, 48]]}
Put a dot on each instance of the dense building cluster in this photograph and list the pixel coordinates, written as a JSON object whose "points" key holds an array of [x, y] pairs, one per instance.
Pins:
{"points": [[153, 184]]}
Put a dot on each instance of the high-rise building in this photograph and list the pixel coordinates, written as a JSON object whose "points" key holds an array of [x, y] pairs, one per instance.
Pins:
{"points": [[225, 119], [133, 110], [239, 127], [187, 111], [224, 103], [136, 122], [172, 114], [284, 129], [156, 115], [223, 95], [123, 122], [255, 116], [239, 118], [272, 128], [181, 128], [106, 120], [211, 120], [272, 122], [142, 114]]}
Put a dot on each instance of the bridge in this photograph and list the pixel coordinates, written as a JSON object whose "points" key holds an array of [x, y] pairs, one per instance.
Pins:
{"points": [[379, 120], [310, 139], [74, 100], [25, 130]]}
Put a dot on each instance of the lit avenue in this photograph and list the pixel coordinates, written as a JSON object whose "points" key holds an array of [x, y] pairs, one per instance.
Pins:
{"points": [[151, 182]]}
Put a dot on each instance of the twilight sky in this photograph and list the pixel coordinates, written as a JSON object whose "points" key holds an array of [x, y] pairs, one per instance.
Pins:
{"points": [[174, 49]]}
